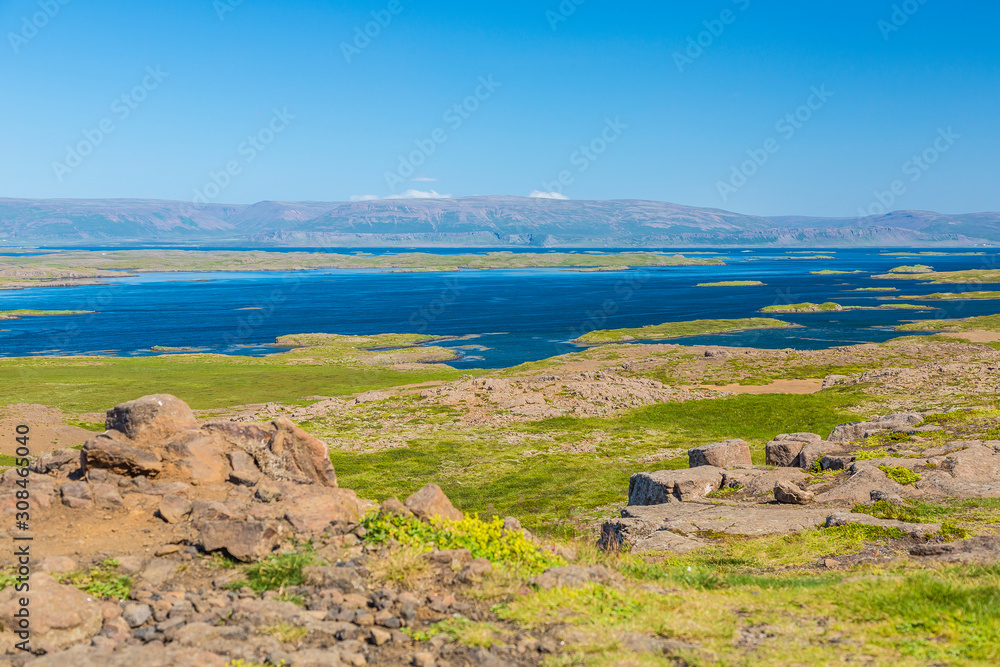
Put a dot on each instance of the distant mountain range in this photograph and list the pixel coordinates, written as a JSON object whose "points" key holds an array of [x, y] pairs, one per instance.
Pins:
{"points": [[474, 222]]}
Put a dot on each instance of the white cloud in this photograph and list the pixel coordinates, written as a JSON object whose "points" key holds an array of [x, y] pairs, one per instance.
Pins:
{"points": [[364, 197], [423, 179], [420, 194], [538, 194]]}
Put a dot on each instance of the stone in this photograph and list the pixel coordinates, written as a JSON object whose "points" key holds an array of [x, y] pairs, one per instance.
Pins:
{"points": [[151, 418], [837, 461], [983, 550], [879, 495], [312, 511], [431, 501], [137, 614], [147, 655], [575, 576], [855, 431], [281, 450], [815, 452], [667, 486], [77, 495], [245, 471], [725, 454], [109, 453], [475, 570], [61, 615], [782, 453], [394, 506], [58, 564], [346, 580], [758, 482], [379, 637], [55, 461], [174, 509], [792, 494], [246, 541], [106, 496], [198, 457]]}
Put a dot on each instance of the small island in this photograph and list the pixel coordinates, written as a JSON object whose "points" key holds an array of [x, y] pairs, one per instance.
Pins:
{"points": [[831, 307], [734, 283], [955, 296], [679, 330], [18, 314], [833, 272]]}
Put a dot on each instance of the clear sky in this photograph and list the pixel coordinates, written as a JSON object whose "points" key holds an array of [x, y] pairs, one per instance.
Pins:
{"points": [[291, 101]]}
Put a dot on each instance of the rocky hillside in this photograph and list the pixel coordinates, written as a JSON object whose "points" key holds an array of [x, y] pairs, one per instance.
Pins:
{"points": [[495, 221]]}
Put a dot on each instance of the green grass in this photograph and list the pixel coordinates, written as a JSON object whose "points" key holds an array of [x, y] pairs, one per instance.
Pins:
{"points": [[918, 268], [911, 511], [829, 307], [278, 572], [333, 367], [101, 581], [733, 283], [679, 330], [901, 475], [488, 470], [984, 323]]}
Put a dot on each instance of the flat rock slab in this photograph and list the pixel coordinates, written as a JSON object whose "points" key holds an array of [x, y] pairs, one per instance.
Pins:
{"points": [[671, 486], [984, 549]]}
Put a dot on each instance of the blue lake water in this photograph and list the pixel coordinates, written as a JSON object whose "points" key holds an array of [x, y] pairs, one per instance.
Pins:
{"points": [[503, 317]]}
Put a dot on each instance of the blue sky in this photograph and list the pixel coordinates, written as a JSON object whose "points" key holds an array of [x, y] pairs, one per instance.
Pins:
{"points": [[238, 102]]}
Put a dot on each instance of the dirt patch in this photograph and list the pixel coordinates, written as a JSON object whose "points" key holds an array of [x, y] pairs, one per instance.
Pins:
{"points": [[778, 387], [974, 336], [49, 429]]}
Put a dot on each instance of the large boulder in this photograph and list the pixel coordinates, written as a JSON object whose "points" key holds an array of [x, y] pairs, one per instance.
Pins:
{"points": [[247, 541], [109, 453], [785, 448], [757, 482], [313, 510], [855, 431], [725, 454], [670, 486], [151, 418], [787, 493], [431, 501], [281, 450], [61, 615], [198, 458], [814, 452]]}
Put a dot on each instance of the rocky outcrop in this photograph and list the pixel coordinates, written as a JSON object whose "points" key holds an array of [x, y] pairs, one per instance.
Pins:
{"points": [[431, 501], [151, 418], [281, 450], [856, 431], [669, 486], [725, 454], [61, 615], [784, 450], [792, 494], [983, 550], [108, 453]]}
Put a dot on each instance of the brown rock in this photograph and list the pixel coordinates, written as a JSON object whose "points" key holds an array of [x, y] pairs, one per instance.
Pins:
{"points": [[112, 454], [199, 458], [783, 453], [575, 576], [815, 452], [61, 615], [281, 450], [174, 509], [247, 541], [245, 472], [670, 486], [431, 501], [152, 418], [792, 494], [312, 512], [393, 506], [154, 654], [106, 495], [725, 454], [77, 495]]}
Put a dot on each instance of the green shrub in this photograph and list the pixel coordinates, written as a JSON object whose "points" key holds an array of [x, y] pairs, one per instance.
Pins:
{"points": [[483, 539], [911, 511], [951, 532], [900, 475], [101, 581], [280, 571]]}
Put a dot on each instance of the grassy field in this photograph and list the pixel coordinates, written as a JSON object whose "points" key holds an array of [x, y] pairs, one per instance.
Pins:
{"points": [[327, 366], [536, 471], [679, 329]]}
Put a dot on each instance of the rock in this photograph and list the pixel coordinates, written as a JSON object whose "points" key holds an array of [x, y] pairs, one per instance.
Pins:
{"points": [[791, 494], [757, 482], [151, 418], [76, 495], [393, 506], [148, 655], [878, 495], [666, 486], [347, 580], [198, 457], [837, 461], [858, 488], [159, 570], [423, 659], [475, 570], [312, 511], [431, 501], [246, 541], [855, 431], [55, 461], [281, 450], [137, 614], [815, 452], [725, 454], [575, 576], [58, 564], [120, 458], [379, 637], [106, 496], [61, 615], [782, 453], [244, 471], [174, 509], [983, 549]]}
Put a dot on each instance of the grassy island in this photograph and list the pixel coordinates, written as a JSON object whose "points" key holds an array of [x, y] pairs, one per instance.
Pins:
{"points": [[733, 283], [954, 296], [18, 314], [679, 330], [829, 307], [971, 276]]}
